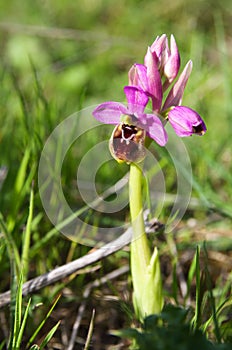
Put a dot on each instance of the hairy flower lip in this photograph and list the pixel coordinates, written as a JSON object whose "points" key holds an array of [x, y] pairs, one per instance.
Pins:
{"points": [[127, 143]]}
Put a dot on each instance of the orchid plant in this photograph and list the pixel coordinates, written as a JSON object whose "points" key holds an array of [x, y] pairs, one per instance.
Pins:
{"points": [[148, 82]]}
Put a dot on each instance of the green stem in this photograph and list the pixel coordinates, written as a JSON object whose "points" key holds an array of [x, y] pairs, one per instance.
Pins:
{"points": [[140, 251], [145, 267]]}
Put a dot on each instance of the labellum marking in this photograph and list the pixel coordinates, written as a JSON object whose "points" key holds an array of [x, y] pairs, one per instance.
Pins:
{"points": [[127, 143]]}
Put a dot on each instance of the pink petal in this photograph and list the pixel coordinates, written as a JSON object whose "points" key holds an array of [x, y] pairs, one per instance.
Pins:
{"points": [[154, 81], [136, 98], [138, 76], [109, 112], [175, 95], [154, 128], [186, 122], [159, 49], [172, 66]]}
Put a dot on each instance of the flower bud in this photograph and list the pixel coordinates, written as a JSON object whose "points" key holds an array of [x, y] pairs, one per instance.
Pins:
{"points": [[159, 51], [185, 121], [172, 65]]}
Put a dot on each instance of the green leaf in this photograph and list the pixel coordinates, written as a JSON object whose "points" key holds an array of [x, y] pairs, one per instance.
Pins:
{"points": [[43, 322], [49, 336], [197, 316], [167, 331], [17, 312], [23, 324], [27, 235]]}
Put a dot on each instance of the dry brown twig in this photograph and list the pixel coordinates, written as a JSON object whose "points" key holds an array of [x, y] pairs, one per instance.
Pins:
{"points": [[96, 283], [72, 267]]}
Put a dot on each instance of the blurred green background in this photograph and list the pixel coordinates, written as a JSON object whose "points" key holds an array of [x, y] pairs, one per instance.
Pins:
{"points": [[60, 56]]}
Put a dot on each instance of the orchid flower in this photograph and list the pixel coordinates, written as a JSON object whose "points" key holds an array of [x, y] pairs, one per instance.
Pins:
{"points": [[148, 81], [158, 60], [132, 125]]}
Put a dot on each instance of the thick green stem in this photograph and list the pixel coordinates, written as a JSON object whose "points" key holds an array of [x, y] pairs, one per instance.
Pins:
{"points": [[136, 210], [140, 251]]}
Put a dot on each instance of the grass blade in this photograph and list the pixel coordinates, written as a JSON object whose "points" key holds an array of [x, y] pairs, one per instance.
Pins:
{"points": [[191, 273], [197, 316], [27, 236], [90, 331], [17, 312], [211, 298], [23, 324], [3, 343], [12, 249], [14, 263], [49, 336], [43, 322]]}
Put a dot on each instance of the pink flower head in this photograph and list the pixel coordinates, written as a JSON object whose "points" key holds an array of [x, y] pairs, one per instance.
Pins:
{"points": [[132, 125], [132, 114], [148, 81], [161, 61]]}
